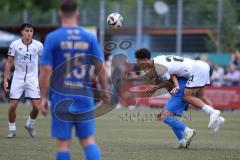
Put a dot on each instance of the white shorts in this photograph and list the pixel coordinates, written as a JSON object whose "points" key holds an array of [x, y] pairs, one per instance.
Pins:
{"points": [[31, 89], [199, 76]]}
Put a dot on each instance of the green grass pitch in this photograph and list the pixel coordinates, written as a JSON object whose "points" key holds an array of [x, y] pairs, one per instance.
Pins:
{"points": [[126, 135]]}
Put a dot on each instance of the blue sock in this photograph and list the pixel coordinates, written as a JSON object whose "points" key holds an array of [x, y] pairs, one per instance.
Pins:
{"points": [[179, 133], [92, 152], [174, 123], [63, 156]]}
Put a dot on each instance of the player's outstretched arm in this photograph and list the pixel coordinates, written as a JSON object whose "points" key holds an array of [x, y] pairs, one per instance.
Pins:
{"points": [[164, 84], [149, 76], [44, 78], [7, 69]]}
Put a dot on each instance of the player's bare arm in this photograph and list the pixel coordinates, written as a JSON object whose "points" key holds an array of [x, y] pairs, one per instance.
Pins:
{"points": [[100, 69], [44, 78], [164, 84], [8, 66], [176, 84]]}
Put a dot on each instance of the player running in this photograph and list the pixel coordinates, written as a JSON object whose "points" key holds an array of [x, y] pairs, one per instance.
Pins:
{"points": [[23, 55], [197, 73], [66, 43]]}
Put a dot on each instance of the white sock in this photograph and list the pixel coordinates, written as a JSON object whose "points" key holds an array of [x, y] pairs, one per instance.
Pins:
{"points": [[208, 109], [186, 130], [182, 141], [12, 126], [30, 122]]}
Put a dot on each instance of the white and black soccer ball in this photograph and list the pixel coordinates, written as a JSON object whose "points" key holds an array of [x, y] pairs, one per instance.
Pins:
{"points": [[114, 20]]}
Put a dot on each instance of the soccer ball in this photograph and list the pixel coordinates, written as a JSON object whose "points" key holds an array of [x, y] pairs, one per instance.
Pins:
{"points": [[114, 20]]}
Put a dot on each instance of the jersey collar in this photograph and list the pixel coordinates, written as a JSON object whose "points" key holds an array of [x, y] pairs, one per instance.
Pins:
{"points": [[27, 44]]}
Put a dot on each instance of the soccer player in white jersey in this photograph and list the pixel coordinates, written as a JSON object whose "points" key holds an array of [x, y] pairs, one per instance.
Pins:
{"points": [[197, 73], [23, 55]]}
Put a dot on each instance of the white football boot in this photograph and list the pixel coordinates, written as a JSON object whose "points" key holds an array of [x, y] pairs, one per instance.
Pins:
{"points": [[217, 125], [189, 136], [11, 134], [31, 131], [181, 145], [213, 119]]}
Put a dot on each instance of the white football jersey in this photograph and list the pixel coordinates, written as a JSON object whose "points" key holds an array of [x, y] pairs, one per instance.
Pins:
{"points": [[175, 65], [25, 59]]}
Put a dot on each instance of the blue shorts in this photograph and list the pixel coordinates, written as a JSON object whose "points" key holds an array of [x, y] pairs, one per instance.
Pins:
{"points": [[176, 105], [62, 129]]}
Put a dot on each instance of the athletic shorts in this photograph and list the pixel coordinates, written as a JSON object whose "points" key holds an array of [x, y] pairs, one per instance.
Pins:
{"points": [[199, 76], [62, 128], [31, 89], [176, 105]]}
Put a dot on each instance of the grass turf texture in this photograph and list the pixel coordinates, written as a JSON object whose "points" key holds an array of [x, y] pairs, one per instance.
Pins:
{"points": [[128, 135]]}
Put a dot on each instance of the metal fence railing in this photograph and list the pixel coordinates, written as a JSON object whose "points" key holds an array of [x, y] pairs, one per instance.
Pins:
{"points": [[90, 16]]}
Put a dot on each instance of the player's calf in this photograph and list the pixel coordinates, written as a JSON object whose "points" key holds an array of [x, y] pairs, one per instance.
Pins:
{"points": [[63, 149], [92, 152], [12, 119], [91, 149], [178, 127]]}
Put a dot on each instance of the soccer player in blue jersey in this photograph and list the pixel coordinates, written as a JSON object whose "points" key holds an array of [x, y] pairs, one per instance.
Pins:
{"points": [[65, 55]]}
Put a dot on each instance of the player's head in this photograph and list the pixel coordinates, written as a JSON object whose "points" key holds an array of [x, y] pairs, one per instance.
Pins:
{"points": [[143, 53], [69, 9], [143, 57], [26, 31]]}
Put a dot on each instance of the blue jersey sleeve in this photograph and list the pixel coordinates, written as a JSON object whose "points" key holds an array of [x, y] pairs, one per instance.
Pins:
{"points": [[47, 55], [95, 49]]}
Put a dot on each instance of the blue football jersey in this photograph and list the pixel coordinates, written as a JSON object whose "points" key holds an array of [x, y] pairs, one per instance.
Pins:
{"points": [[71, 52]]}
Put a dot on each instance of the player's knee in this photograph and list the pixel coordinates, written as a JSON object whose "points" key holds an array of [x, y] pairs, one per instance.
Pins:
{"points": [[87, 141], [161, 117], [13, 106], [62, 145], [164, 114]]}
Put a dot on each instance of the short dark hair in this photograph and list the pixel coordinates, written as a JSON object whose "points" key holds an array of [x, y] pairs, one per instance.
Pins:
{"points": [[68, 7], [26, 25], [143, 53]]}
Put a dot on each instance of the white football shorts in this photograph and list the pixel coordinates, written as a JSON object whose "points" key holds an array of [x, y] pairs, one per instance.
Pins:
{"points": [[31, 89], [200, 75]]}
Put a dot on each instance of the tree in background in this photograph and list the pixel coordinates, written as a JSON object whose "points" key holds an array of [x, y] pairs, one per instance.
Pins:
{"points": [[201, 12], [208, 10]]}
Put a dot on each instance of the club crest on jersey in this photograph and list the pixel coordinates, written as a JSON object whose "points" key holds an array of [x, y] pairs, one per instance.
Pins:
{"points": [[69, 31], [20, 49]]}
